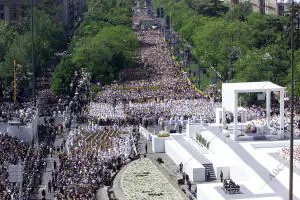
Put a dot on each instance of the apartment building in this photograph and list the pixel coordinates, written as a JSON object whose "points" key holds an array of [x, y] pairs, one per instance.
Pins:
{"points": [[69, 12], [11, 10]]}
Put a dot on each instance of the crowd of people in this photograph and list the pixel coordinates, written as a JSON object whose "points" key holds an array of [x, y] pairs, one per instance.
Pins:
{"points": [[14, 152], [285, 154], [22, 112], [163, 93], [91, 158], [157, 91]]}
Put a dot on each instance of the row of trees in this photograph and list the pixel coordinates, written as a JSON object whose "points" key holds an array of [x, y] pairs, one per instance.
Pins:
{"points": [[240, 44], [103, 44], [16, 42]]}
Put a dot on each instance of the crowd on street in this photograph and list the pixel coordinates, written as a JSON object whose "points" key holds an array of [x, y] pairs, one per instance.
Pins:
{"points": [[14, 152], [90, 159], [103, 132]]}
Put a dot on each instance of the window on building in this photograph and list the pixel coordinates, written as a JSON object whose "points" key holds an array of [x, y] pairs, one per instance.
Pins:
{"points": [[14, 15], [1, 15], [14, 7], [1, 7]]}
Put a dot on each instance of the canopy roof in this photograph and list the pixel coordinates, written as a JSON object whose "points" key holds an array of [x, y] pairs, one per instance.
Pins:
{"points": [[230, 89], [251, 86]]}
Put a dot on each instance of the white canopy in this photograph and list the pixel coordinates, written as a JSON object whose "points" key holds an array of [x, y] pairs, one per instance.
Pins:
{"points": [[229, 89], [230, 93], [288, 1]]}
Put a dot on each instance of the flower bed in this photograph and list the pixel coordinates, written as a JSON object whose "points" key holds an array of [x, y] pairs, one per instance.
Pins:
{"points": [[142, 180]]}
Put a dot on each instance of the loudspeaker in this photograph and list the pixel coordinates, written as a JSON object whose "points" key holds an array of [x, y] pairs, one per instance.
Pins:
{"points": [[172, 131]]}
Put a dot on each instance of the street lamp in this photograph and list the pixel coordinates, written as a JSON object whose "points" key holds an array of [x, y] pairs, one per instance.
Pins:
{"points": [[32, 55], [292, 2]]}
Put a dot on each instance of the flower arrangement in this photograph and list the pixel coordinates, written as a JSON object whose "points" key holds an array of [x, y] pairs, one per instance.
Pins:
{"points": [[248, 128], [202, 141], [163, 135]]}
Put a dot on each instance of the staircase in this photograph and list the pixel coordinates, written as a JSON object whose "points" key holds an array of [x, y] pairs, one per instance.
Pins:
{"points": [[210, 168], [197, 155]]}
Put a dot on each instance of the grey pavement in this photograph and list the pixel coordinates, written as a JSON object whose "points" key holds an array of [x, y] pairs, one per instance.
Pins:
{"points": [[47, 174], [102, 193]]}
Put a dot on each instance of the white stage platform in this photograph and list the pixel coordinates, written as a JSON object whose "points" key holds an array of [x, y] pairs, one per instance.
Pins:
{"points": [[251, 167], [191, 166]]}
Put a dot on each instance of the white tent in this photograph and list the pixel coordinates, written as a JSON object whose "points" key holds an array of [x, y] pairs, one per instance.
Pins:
{"points": [[230, 93]]}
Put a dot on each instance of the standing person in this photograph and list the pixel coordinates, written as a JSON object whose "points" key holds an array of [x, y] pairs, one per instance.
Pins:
{"points": [[189, 185], [221, 176], [54, 165], [146, 148], [180, 128], [53, 185], [51, 151], [49, 186], [45, 165], [180, 167], [183, 177], [43, 192], [207, 175]]}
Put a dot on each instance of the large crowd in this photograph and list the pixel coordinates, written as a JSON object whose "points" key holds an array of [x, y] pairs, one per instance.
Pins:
{"points": [[14, 152], [157, 91], [91, 158], [164, 93], [23, 112]]}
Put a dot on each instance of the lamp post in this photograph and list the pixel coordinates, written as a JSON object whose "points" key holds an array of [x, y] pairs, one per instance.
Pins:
{"points": [[292, 2], [292, 107], [32, 56]]}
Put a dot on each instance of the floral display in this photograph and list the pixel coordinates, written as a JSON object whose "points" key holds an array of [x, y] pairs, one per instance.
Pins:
{"points": [[143, 180]]}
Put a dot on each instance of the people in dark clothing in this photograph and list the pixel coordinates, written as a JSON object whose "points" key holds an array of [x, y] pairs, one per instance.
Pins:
{"points": [[207, 175], [43, 192], [183, 177], [180, 167], [189, 185], [221, 176], [54, 165], [49, 186], [146, 148]]}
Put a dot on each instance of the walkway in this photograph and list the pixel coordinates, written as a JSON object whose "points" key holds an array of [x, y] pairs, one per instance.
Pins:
{"points": [[47, 175]]}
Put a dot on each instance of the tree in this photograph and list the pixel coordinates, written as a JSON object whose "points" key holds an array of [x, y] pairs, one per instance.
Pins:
{"points": [[240, 11], [106, 53], [296, 75], [7, 36], [62, 76], [270, 63], [48, 38], [266, 29], [211, 8]]}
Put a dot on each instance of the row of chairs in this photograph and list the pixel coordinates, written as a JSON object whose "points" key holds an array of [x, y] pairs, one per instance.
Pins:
{"points": [[230, 186]]}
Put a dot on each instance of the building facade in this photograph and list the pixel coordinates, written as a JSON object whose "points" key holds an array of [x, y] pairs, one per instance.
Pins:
{"points": [[11, 10], [69, 10], [266, 6]]}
